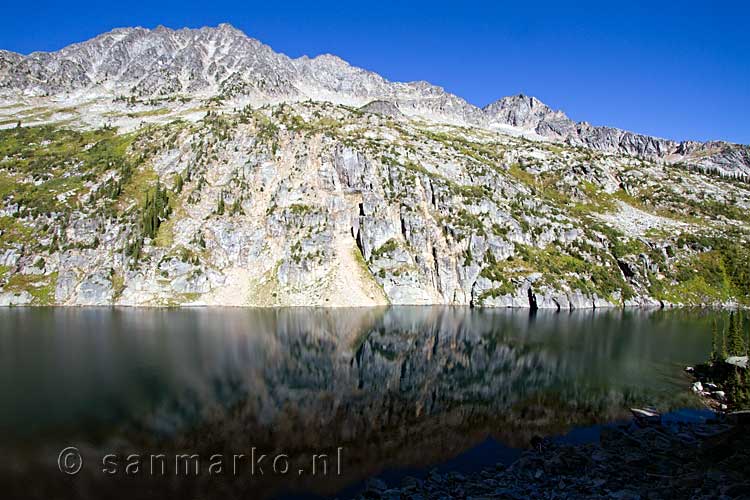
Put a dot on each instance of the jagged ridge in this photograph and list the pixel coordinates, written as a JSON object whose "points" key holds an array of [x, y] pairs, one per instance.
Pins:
{"points": [[224, 62]]}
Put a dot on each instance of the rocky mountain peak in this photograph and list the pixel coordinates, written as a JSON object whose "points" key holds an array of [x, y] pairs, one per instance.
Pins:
{"points": [[529, 113], [224, 62]]}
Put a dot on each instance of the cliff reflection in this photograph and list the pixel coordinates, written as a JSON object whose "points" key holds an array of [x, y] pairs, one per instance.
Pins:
{"points": [[395, 387]]}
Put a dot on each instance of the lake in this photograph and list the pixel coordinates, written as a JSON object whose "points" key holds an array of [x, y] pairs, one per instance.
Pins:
{"points": [[379, 391]]}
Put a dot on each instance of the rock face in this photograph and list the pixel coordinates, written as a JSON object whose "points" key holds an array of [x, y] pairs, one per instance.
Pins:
{"points": [[729, 160], [219, 61], [386, 108], [205, 168], [223, 62], [530, 113]]}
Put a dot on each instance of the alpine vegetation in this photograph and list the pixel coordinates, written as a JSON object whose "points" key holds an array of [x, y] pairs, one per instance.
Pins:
{"points": [[191, 167]]}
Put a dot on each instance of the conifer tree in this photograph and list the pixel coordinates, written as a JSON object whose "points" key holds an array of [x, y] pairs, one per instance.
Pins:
{"points": [[715, 343], [155, 210], [736, 335], [236, 207], [178, 183], [220, 208]]}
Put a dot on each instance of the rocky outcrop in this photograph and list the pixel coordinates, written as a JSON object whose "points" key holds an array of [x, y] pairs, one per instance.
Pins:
{"points": [[386, 108], [526, 112], [15, 298]]}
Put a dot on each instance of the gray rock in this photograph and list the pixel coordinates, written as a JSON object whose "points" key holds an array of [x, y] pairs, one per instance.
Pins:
{"points": [[9, 257], [95, 289], [15, 299], [376, 485], [739, 361]]}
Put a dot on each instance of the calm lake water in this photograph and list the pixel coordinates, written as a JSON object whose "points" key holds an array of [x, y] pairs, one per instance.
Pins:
{"points": [[382, 392]]}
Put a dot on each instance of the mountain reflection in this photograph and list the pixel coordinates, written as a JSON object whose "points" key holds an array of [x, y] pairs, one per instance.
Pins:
{"points": [[394, 387]]}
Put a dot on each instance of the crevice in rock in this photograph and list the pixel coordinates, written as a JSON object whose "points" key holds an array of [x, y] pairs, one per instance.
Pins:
{"points": [[436, 267], [358, 240], [625, 268], [402, 374]]}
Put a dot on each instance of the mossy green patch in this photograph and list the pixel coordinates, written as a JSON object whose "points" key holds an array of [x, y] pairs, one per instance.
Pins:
{"points": [[717, 273], [41, 287], [13, 230], [557, 268], [46, 169], [141, 181], [147, 113], [522, 175], [118, 285], [384, 249]]}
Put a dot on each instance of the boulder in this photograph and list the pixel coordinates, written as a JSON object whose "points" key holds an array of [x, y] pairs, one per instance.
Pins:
{"points": [[738, 361], [95, 289], [741, 417], [15, 299]]}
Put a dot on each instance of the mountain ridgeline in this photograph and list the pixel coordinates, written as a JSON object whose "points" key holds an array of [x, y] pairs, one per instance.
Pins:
{"points": [[225, 63], [169, 167]]}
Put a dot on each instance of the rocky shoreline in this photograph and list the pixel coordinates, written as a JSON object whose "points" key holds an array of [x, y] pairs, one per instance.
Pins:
{"points": [[643, 459], [715, 384]]}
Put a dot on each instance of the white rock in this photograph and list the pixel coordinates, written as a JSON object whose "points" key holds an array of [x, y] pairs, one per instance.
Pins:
{"points": [[739, 361]]}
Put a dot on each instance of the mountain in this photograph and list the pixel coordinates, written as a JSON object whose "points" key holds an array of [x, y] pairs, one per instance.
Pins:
{"points": [[732, 160], [224, 62], [164, 167], [220, 61]]}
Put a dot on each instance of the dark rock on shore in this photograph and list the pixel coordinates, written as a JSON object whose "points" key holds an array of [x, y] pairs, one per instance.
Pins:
{"points": [[634, 461], [724, 385]]}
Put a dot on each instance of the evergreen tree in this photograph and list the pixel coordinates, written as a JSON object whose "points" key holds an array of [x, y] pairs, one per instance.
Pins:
{"points": [[155, 210], [178, 183], [715, 343], [736, 335], [236, 207], [740, 332], [220, 208]]}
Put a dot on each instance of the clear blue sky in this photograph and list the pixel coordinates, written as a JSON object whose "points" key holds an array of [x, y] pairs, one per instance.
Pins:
{"points": [[679, 70]]}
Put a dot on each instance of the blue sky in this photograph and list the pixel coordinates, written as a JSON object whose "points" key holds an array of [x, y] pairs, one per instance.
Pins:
{"points": [[679, 70]]}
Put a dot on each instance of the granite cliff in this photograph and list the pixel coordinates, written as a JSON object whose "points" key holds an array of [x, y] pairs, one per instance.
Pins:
{"points": [[166, 167]]}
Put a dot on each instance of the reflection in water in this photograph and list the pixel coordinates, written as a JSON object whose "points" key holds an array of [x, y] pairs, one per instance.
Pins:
{"points": [[395, 387]]}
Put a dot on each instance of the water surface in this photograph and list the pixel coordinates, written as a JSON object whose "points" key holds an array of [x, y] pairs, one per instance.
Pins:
{"points": [[396, 389]]}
